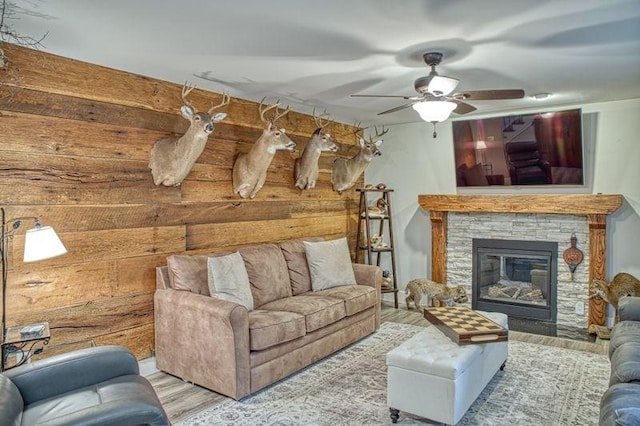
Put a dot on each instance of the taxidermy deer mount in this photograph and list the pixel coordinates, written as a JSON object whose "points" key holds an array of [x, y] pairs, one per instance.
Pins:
{"points": [[171, 159], [250, 169], [306, 167], [346, 172]]}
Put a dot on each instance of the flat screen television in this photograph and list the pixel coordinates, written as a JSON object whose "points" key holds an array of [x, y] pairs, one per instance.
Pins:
{"points": [[528, 149]]}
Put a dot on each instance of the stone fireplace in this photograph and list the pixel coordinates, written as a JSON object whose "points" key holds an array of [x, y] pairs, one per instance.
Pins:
{"points": [[457, 219]]}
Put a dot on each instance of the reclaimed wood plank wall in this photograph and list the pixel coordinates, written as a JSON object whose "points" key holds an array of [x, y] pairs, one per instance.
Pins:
{"points": [[74, 149]]}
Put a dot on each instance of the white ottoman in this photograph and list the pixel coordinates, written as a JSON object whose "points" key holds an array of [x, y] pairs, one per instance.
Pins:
{"points": [[432, 377]]}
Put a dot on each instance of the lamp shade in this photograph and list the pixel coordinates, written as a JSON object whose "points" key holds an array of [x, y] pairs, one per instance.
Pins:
{"points": [[434, 111], [42, 243]]}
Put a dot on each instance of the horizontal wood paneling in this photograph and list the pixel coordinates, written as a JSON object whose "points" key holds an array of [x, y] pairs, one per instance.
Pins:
{"points": [[42, 72], [74, 151]]}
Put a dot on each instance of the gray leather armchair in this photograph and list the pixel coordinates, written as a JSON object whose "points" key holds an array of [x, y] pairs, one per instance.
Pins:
{"points": [[95, 386]]}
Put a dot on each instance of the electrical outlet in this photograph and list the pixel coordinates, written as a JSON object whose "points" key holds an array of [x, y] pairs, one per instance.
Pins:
{"points": [[580, 308]]}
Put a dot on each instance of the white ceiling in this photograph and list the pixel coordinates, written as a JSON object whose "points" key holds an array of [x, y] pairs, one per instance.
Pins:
{"points": [[316, 53]]}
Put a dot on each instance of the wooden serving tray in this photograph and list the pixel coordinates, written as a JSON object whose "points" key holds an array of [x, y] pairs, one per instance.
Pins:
{"points": [[465, 326]]}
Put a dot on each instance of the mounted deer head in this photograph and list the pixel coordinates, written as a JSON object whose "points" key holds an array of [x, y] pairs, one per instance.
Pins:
{"points": [[250, 169], [306, 167], [346, 172], [171, 159]]}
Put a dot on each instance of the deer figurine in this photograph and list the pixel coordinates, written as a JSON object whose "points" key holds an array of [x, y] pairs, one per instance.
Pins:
{"points": [[171, 159], [346, 172], [250, 169], [306, 167]]}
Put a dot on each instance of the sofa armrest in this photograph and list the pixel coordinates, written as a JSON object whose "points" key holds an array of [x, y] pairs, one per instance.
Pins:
{"points": [[203, 340], [369, 275], [629, 308], [63, 373]]}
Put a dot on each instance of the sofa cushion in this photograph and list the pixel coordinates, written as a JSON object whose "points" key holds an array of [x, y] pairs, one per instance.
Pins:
{"points": [[294, 254], [188, 273], [268, 273], [622, 332], [270, 328], [616, 403], [228, 279], [625, 363], [329, 264], [102, 398], [356, 298], [318, 311]]}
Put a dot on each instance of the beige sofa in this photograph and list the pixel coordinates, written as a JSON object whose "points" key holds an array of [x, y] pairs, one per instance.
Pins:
{"points": [[222, 346]]}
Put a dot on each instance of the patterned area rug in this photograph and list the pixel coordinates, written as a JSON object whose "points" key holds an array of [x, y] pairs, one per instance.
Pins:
{"points": [[541, 385]]}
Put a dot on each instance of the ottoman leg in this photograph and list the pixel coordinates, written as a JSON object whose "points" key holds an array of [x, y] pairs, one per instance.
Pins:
{"points": [[395, 415], [503, 365]]}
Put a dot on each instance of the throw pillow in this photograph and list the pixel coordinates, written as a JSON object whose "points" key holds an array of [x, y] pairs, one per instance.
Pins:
{"points": [[228, 279], [294, 254], [329, 264]]}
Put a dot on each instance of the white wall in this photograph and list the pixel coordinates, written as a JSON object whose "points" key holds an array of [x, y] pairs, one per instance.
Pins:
{"points": [[414, 163]]}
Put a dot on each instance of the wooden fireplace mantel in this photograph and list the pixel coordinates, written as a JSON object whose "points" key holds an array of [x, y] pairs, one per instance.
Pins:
{"points": [[595, 206]]}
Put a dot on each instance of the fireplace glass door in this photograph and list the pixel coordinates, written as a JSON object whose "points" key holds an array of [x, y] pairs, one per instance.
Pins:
{"points": [[515, 277]]}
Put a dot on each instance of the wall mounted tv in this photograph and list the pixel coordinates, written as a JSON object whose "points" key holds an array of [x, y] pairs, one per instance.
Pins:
{"points": [[526, 149]]}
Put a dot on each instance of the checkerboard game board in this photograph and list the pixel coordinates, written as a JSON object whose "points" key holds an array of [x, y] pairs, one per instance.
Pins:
{"points": [[465, 326]]}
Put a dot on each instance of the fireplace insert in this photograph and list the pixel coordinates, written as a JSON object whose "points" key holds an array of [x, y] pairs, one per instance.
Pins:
{"points": [[518, 278]]}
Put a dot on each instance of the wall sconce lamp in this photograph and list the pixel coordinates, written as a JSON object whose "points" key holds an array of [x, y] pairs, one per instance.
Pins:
{"points": [[434, 111], [40, 243]]}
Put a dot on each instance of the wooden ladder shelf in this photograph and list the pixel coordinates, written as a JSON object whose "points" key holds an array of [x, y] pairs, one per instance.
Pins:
{"points": [[363, 239]]}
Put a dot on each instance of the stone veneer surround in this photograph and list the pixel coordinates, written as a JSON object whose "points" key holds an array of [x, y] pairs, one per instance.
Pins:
{"points": [[463, 227]]}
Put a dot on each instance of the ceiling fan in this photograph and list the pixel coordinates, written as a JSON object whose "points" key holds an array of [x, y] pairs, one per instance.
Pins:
{"points": [[435, 102]]}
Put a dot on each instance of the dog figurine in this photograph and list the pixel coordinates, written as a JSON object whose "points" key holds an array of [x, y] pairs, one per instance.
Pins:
{"points": [[436, 293]]}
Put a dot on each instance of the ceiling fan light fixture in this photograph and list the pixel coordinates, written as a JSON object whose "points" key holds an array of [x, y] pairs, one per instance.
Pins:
{"points": [[434, 111], [441, 85]]}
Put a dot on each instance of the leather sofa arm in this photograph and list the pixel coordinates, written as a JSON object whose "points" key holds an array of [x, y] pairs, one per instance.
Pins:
{"points": [[203, 340], [58, 374], [629, 308]]}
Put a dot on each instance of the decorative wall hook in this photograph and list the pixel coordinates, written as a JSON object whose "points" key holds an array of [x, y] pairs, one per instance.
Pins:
{"points": [[573, 256]]}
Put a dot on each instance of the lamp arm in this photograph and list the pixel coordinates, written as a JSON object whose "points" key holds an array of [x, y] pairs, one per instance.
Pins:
{"points": [[8, 229], [3, 256]]}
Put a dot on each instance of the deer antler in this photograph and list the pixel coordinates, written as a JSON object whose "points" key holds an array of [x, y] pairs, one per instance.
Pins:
{"points": [[265, 109], [372, 139], [359, 131], [318, 119], [186, 89], [225, 101], [279, 114]]}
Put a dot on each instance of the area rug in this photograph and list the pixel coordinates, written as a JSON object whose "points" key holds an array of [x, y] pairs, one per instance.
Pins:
{"points": [[541, 385]]}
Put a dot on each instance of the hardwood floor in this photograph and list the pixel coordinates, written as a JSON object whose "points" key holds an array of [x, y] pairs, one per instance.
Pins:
{"points": [[181, 399]]}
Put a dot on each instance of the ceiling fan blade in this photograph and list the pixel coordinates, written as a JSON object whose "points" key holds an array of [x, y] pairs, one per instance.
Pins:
{"points": [[463, 107], [486, 95], [382, 96], [398, 108]]}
